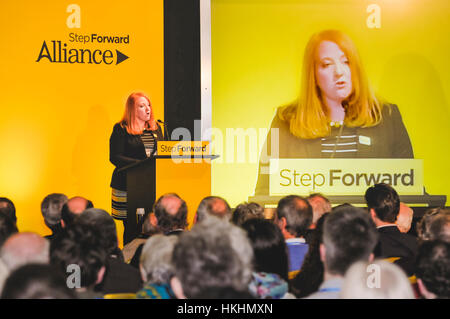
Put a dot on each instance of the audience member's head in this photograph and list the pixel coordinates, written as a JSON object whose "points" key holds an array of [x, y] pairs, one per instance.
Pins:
{"points": [[404, 218], [156, 259], [73, 208], [433, 269], [349, 235], [171, 213], [149, 226], [269, 247], [79, 245], [24, 248], [378, 279], [105, 225], [320, 205], [294, 216], [7, 208], [51, 208], [440, 226], [215, 206], [36, 281], [246, 211], [383, 203], [214, 255], [423, 226], [7, 228]]}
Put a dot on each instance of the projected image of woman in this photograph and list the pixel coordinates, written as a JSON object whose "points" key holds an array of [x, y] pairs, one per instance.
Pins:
{"points": [[132, 140], [337, 115]]}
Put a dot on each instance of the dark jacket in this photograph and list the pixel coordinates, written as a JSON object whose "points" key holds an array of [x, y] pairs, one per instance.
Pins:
{"points": [[120, 278], [389, 139], [393, 243], [125, 149]]}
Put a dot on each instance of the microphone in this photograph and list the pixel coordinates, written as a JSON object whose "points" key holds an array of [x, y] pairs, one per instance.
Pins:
{"points": [[166, 133]]}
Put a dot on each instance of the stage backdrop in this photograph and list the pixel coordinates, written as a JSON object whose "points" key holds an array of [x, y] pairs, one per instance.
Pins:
{"points": [[66, 69], [257, 51]]}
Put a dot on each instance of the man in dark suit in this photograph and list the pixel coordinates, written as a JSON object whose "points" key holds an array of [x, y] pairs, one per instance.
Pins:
{"points": [[119, 277], [383, 203]]}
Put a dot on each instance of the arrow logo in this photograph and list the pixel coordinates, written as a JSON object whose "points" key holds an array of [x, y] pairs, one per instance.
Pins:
{"points": [[120, 57]]}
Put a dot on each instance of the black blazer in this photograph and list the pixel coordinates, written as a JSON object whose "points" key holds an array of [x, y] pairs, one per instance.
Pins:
{"points": [[393, 243], [125, 149]]}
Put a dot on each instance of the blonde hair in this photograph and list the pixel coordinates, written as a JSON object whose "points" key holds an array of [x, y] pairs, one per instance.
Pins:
{"points": [[391, 283], [308, 116], [128, 120]]}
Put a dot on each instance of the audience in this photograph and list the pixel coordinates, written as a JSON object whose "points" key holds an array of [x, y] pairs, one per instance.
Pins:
{"points": [[423, 226], [433, 269], [270, 264], [214, 257], [24, 248], [384, 206], [169, 218], [349, 235], [73, 208], [246, 211], [8, 209], [156, 267], [134, 247], [51, 208], [294, 218], [310, 276], [308, 249], [378, 279], [440, 226], [320, 205], [212, 205], [7, 228], [404, 218], [36, 281], [78, 249], [171, 214], [119, 277]]}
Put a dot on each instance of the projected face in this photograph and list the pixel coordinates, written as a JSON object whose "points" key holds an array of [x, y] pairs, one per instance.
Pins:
{"points": [[333, 72], [143, 109]]}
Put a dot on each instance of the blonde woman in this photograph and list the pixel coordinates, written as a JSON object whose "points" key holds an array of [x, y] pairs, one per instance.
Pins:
{"points": [[337, 115], [132, 140]]}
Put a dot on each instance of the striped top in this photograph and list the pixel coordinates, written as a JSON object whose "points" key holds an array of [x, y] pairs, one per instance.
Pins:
{"points": [[343, 145], [149, 140]]}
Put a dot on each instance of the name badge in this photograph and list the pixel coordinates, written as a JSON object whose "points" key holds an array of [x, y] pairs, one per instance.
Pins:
{"points": [[364, 140]]}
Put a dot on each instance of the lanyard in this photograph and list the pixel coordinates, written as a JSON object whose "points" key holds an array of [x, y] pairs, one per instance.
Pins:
{"points": [[330, 289]]}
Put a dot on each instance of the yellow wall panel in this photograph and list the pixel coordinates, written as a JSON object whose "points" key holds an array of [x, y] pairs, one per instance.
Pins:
{"points": [[56, 118]]}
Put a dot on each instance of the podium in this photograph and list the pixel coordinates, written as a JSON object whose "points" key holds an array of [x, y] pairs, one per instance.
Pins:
{"points": [[187, 175]]}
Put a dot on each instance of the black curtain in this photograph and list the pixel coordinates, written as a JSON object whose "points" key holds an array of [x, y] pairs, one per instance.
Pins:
{"points": [[182, 101]]}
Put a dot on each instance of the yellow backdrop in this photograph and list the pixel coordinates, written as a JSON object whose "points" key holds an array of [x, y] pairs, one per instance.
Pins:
{"points": [[257, 50], [56, 118]]}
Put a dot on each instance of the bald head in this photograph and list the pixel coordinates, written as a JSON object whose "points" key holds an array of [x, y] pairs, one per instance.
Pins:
{"points": [[171, 204], [24, 248], [73, 208], [404, 218], [77, 204], [171, 212], [213, 205]]}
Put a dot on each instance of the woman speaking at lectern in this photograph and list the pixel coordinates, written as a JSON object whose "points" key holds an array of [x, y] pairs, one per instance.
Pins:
{"points": [[336, 115], [133, 139]]}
